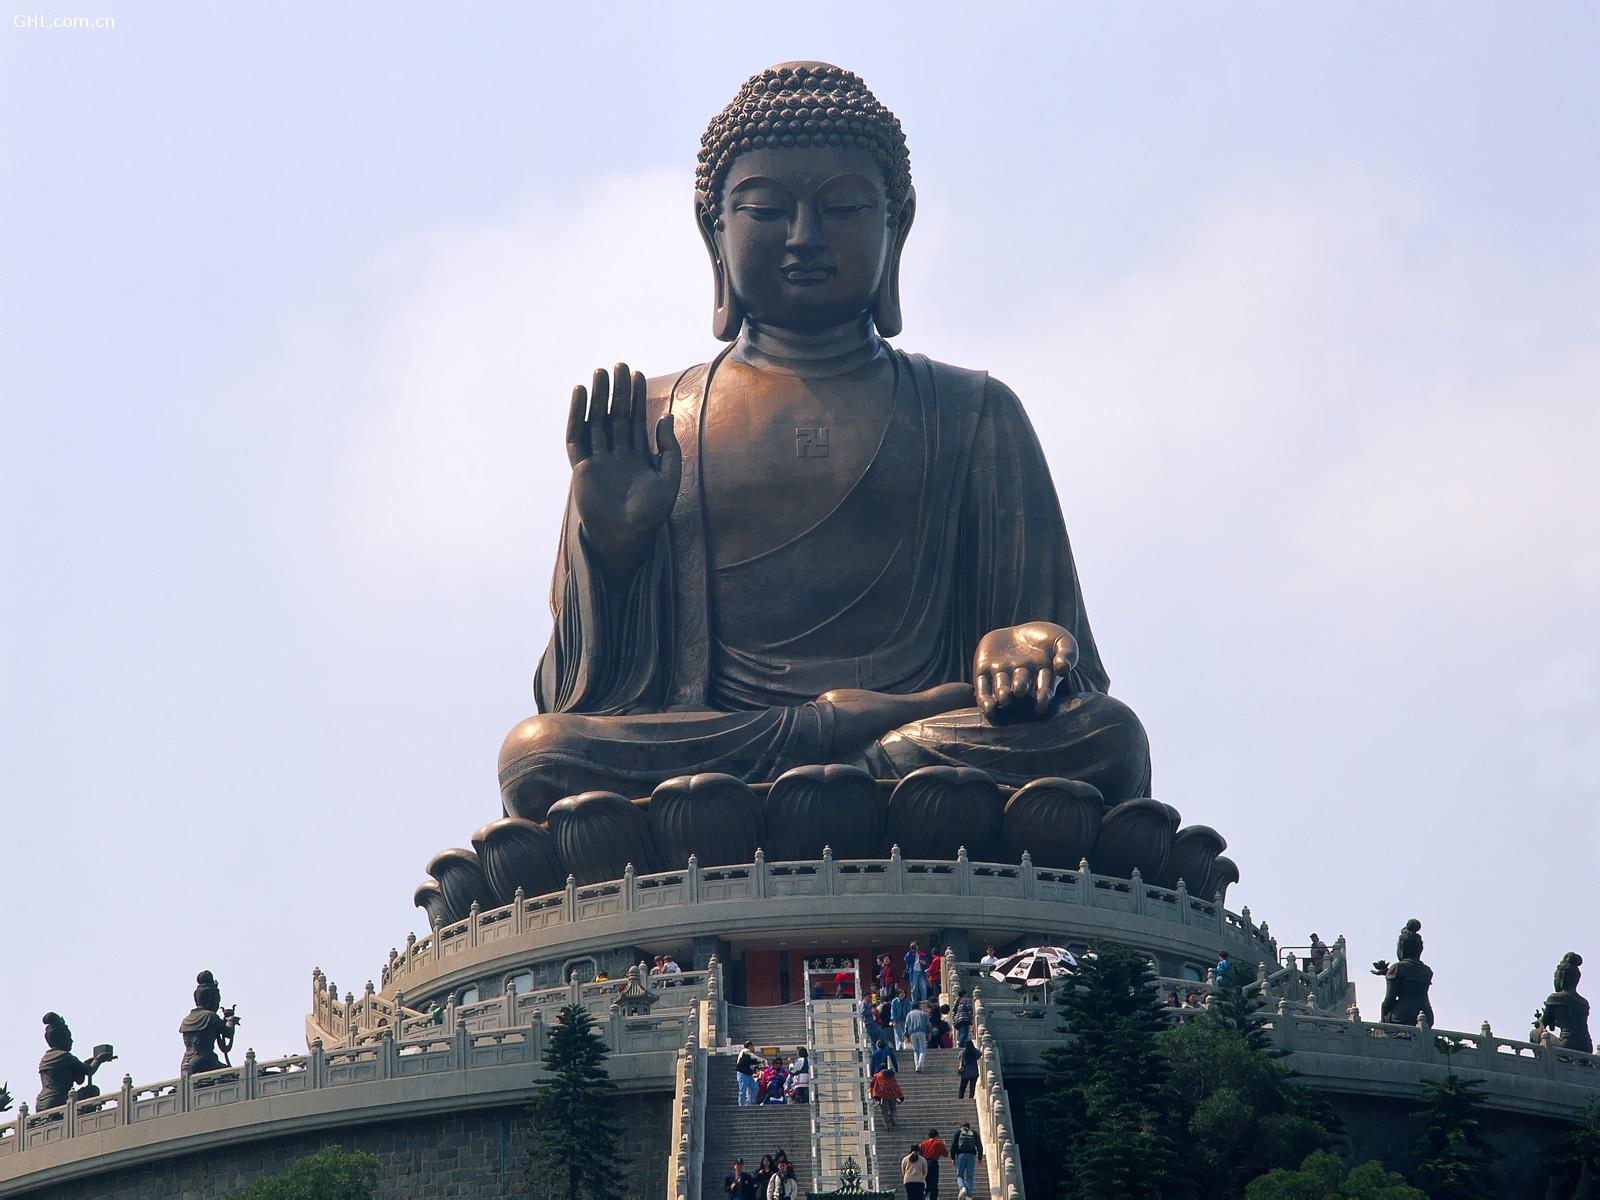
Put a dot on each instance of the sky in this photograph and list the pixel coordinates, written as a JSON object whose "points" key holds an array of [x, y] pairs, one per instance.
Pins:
{"points": [[1302, 300]]}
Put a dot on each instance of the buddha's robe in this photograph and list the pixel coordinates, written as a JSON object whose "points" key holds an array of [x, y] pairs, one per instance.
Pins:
{"points": [[952, 531]]}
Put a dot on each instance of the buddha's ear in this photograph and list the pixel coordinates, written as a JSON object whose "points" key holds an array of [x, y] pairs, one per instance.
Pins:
{"points": [[726, 313], [886, 313]]}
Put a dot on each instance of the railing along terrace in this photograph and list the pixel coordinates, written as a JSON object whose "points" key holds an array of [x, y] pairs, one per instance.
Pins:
{"points": [[1017, 1020], [387, 1057], [352, 1021], [762, 880]]}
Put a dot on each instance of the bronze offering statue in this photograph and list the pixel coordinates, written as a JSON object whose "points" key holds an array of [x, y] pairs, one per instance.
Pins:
{"points": [[1567, 1011], [60, 1069], [1405, 992], [206, 1029], [816, 562]]}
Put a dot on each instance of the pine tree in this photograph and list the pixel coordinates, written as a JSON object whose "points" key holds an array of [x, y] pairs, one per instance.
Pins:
{"points": [[573, 1143], [1104, 1113], [1457, 1160], [1323, 1177], [1575, 1158]]}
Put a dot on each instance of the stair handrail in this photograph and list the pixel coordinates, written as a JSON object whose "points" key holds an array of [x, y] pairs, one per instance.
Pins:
{"points": [[1002, 1155], [686, 1163], [869, 1130]]}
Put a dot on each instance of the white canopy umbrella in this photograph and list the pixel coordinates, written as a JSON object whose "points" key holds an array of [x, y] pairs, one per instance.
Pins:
{"points": [[1035, 967]]}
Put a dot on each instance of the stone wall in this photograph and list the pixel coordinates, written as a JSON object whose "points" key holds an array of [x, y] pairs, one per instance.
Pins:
{"points": [[477, 1155]]}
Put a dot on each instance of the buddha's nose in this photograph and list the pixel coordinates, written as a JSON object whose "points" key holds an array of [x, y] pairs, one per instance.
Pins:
{"points": [[805, 231]]}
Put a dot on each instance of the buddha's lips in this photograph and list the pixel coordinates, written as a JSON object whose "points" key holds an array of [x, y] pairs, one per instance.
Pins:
{"points": [[807, 274]]}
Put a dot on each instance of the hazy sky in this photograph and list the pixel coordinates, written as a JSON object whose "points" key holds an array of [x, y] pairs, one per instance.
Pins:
{"points": [[1304, 302]]}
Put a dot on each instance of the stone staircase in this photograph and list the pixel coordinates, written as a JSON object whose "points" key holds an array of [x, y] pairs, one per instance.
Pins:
{"points": [[930, 1104], [749, 1133]]}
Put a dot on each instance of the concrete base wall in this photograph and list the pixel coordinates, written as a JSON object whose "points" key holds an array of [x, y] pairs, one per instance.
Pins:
{"points": [[476, 1154]]}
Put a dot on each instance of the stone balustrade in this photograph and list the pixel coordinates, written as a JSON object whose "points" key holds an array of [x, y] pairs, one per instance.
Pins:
{"points": [[995, 1127], [685, 1162], [353, 1021], [749, 886], [432, 1052]]}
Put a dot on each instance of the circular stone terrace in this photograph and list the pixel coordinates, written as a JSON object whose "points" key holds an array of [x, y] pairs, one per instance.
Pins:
{"points": [[541, 941]]}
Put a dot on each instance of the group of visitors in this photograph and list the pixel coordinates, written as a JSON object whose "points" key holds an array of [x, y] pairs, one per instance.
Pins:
{"points": [[919, 1169], [772, 1080], [773, 1180], [663, 969]]}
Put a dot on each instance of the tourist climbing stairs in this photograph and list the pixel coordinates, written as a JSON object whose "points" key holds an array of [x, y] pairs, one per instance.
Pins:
{"points": [[748, 1133], [842, 1119], [930, 1104]]}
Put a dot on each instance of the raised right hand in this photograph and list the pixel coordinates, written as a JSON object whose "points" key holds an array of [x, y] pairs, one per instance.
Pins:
{"points": [[624, 493]]}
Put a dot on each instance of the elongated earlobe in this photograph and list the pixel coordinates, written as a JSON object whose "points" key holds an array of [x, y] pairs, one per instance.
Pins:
{"points": [[727, 316], [886, 314]]}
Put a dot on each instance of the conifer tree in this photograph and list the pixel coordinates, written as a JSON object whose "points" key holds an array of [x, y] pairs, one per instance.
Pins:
{"points": [[1107, 1127], [1457, 1160], [573, 1143], [1575, 1158]]}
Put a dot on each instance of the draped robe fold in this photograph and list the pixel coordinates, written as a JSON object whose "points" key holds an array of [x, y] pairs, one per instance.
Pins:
{"points": [[956, 514]]}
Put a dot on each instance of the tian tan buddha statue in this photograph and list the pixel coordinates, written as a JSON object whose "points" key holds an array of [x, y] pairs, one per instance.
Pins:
{"points": [[818, 562]]}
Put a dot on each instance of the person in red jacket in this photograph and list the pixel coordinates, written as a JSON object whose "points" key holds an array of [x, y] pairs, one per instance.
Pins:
{"points": [[933, 1149], [885, 1089]]}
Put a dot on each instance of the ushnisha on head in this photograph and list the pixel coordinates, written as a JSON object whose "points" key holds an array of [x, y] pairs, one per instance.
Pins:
{"points": [[803, 196]]}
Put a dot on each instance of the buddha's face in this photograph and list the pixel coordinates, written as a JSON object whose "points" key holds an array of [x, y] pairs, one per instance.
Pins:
{"points": [[805, 234]]}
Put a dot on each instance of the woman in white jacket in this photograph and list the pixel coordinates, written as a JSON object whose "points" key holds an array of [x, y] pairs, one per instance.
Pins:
{"points": [[783, 1185], [800, 1077]]}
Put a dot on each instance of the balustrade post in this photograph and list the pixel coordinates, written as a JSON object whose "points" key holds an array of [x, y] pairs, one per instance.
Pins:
{"points": [[461, 1046], [897, 871], [22, 1127], [963, 872], [250, 1073], [319, 1064], [519, 919], [1137, 880], [1030, 881], [574, 989], [827, 870], [386, 1048], [1085, 882], [628, 877], [349, 1018], [472, 924], [536, 1036], [125, 1101], [70, 1117], [760, 871], [569, 904], [1222, 915], [616, 1029], [1182, 891]]}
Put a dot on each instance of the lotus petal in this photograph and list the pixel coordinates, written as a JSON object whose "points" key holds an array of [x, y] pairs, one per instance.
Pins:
{"points": [[1055, 820], [1136, 833], [599, 833], [1224, 874], [430, 900], [815, 806], [934, 811], [462, 881], [519, 854], [713, 816], [1193, 857]]}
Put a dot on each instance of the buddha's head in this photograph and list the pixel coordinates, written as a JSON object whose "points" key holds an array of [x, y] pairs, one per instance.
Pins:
{"points": [[56, 1034], [804, 199]]}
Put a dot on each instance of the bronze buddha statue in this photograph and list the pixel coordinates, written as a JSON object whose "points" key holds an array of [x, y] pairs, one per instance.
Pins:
{"points": [[816, 552], [835, 551]]}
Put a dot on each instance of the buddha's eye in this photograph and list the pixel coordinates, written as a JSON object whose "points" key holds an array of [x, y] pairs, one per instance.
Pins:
{"points": [[761, 212], [844, 210]]}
